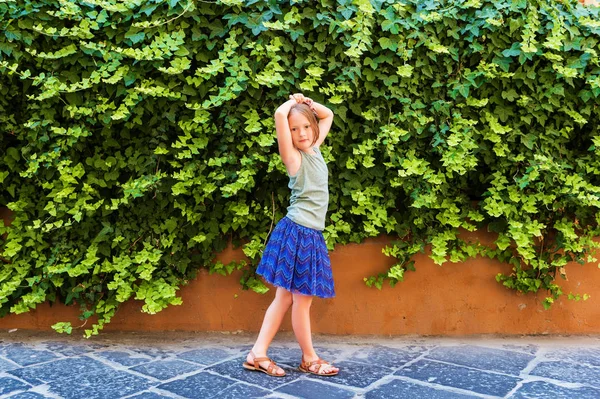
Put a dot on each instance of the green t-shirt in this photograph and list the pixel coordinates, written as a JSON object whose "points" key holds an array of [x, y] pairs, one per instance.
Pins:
{"points": [[310, 193]]}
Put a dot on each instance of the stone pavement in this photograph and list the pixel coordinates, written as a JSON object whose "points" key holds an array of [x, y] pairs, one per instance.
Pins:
{"points": [[209, 365]]}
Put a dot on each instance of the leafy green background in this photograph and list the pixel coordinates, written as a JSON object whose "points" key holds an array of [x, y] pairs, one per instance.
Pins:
{"points": [[138, 138]]}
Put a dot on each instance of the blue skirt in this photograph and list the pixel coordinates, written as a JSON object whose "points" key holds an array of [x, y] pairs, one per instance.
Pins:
{"points": [[296, 259]]}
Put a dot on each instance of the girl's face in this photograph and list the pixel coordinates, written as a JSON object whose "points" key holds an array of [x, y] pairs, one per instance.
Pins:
{"points": [[302, 133]]}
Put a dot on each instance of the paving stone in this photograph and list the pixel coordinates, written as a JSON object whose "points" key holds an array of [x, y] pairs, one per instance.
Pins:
{"points": [[28, 395], [288, 356], [8, 385], [201, 385], [66, 349], [5, 365], [479, 368], [149, 395], [478, 357], [233, 368], [315, 390], [387, 357], [589, 356], [399, 389], [95, 345], [65, 368], [460, 377], [545, 390], [241, 348], [109, 384], [353, 374], [241, 390], [124, 358], [26, 356], [205, 356], [530, 348], [166, 369], [570, 372], [329, 354], [155, 353]]}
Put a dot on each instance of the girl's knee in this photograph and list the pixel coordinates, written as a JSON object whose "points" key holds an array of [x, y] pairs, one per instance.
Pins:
{"points": [[302, 300], [284, 296]]}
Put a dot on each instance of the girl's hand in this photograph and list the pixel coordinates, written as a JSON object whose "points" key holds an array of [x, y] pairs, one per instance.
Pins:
{"points": [[301, 99]]}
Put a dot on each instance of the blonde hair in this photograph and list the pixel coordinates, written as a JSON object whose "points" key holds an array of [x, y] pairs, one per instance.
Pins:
{"points": [[305, 111]]}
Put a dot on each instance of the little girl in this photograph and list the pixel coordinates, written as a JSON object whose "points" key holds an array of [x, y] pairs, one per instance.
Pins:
{"points": [[295, 258]]}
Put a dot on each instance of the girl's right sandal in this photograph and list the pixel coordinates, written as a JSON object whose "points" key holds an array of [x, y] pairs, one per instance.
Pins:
{"points": [[270, 370]]}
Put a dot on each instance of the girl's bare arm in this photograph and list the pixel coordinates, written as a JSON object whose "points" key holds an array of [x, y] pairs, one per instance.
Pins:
{"points": [[289, 154], [325, 116]]}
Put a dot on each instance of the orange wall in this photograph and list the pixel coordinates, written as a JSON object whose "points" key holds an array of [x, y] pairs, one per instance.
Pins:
{"points": [[453, 299]]}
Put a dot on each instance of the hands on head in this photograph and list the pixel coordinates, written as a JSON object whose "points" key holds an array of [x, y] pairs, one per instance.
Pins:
{"points": [[301, 99]]}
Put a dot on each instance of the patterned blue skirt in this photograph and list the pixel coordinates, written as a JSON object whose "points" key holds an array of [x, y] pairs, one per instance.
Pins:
{"points": [[296, 259]]}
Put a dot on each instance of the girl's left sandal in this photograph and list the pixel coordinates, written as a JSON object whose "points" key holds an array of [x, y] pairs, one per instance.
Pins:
{"points": [[305, 367]]}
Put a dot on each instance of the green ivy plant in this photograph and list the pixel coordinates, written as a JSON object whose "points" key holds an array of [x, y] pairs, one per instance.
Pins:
{"points": [[138, 138]]}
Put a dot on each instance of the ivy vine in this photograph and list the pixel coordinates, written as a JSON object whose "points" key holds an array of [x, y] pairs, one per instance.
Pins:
{"points": [[138, 138]]}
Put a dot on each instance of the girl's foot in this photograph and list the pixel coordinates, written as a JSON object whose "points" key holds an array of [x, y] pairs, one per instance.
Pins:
{"points": [[317, 366], [263, 364]]}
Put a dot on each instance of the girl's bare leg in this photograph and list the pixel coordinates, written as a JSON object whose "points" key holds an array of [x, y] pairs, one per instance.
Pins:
{"points": [[271, 322], [301, 325]]}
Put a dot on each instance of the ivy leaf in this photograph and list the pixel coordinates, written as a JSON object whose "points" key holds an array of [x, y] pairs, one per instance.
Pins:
{"points": [[513, 51], [135, 37]]}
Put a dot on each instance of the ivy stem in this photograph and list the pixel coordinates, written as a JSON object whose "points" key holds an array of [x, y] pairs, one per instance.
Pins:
{"points": [[272, 218], [135, 242]]}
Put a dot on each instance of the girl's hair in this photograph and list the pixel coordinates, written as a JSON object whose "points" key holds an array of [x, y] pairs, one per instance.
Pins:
{"points": [[305, 110]]}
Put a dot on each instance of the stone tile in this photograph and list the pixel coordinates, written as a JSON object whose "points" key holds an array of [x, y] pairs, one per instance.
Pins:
{"points": [[507, 362], [201, 385], [399, 389], [149, 395], [530, 348], [241, 390], [460, 377], [241, 348], [123, 358], [387, 357], [307, 389], [288, 356], [354, 374], [155, 353], [569, 372], [28, 395], [96, 345], [166, 369], [26, 356], [329, 354], [8, 385], [589, 356], [65, 368], [67, 349], [233, 369], [205, 356], [109, 384], [545, 390], [5, 365]]}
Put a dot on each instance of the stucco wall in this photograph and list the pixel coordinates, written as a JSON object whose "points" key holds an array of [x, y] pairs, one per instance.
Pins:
{"points": [[453, 299]]}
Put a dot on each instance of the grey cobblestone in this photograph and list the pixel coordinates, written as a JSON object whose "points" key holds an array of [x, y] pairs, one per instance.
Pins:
{"points": [[35, 365]]}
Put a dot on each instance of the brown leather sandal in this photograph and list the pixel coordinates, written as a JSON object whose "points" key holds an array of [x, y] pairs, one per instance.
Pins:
{"points": [[270, 370], [305, 367]]}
